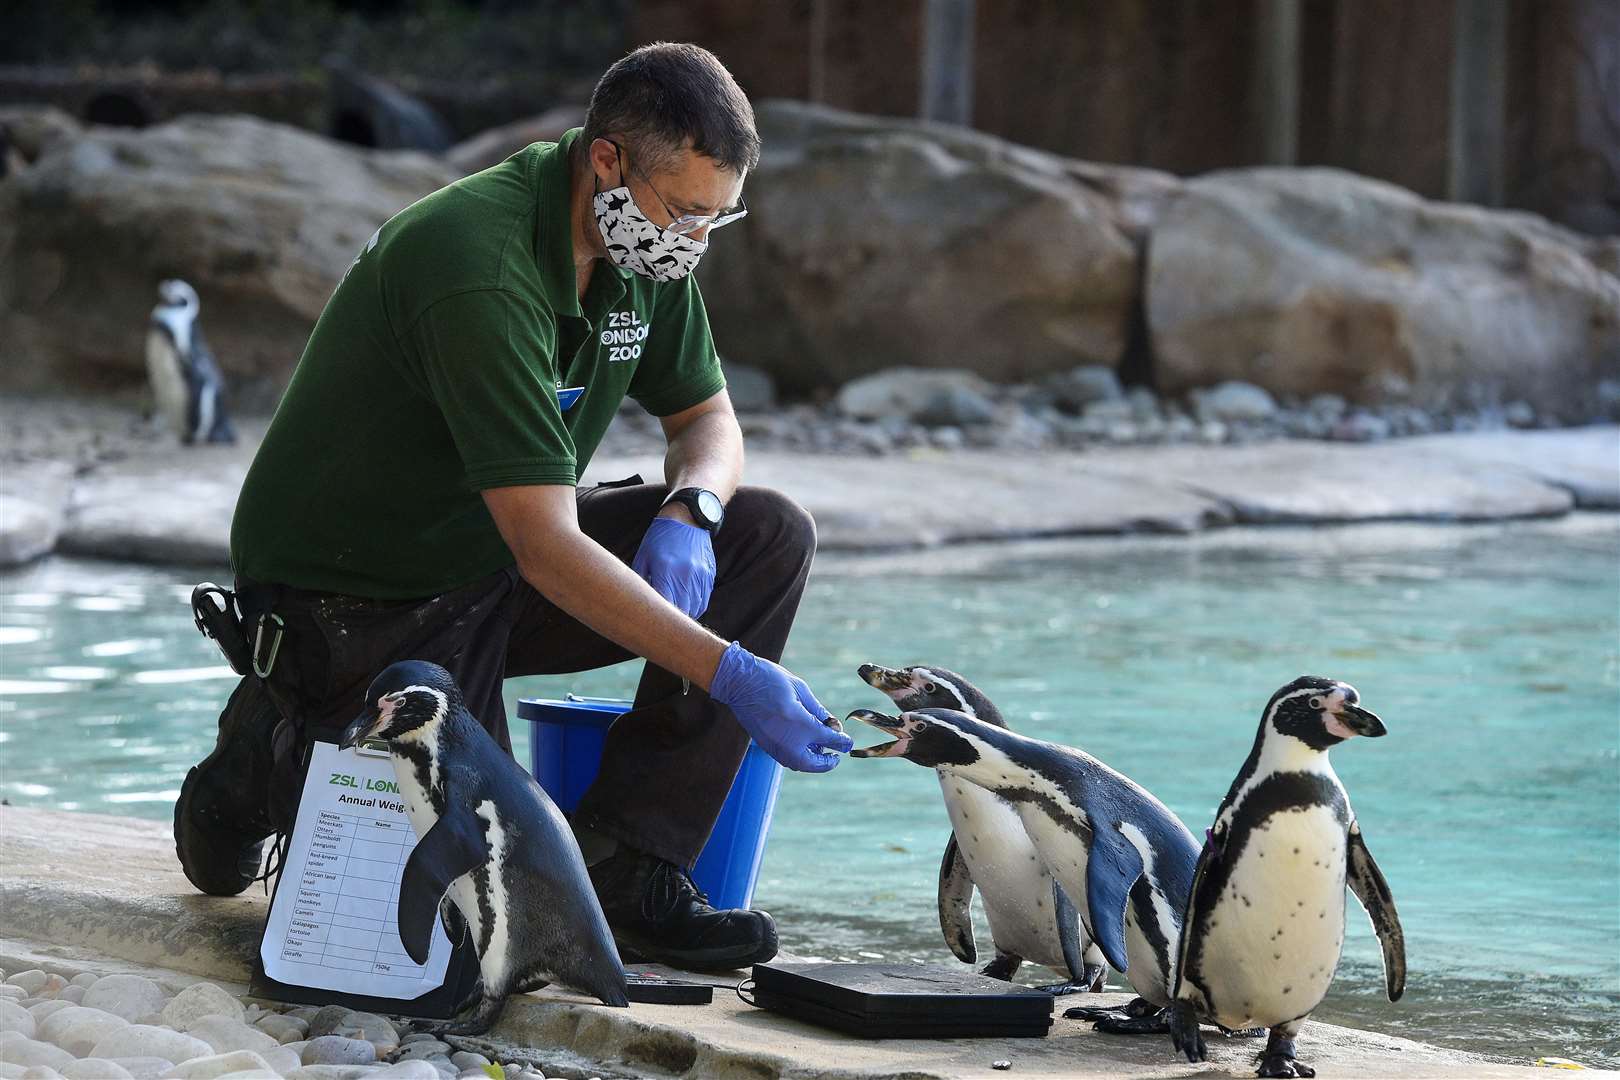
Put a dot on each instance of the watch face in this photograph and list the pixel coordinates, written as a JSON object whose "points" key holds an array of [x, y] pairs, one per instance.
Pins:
{"points": [[708, 504]]}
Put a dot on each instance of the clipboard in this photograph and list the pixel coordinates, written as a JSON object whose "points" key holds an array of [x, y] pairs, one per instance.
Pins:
{"points": [[332, 934]]}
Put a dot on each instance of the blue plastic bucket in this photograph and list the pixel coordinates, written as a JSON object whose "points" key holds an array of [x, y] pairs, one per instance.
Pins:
{"points": [[565, 751]]}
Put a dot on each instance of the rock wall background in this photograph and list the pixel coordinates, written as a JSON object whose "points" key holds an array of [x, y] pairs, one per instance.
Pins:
{"points": [[873, 244]]}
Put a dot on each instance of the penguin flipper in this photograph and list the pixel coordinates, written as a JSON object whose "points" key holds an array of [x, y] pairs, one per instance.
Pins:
{"points": [[1068, 930], [451, 848], [1112, 867], [955, 900], [1214, 846], [1367, 882]]}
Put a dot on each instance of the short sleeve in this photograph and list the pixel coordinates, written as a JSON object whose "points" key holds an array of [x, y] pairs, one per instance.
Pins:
{"points": [[679, 368], [488, 358]]}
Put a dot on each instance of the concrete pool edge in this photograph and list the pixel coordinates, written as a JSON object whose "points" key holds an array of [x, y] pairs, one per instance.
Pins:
{"points": [[105, 893], [170, 505]]}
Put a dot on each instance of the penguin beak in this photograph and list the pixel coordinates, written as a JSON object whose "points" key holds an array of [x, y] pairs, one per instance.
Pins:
{"points": [[1350, 720], [882, 722], [885, 679], [361, 728]]}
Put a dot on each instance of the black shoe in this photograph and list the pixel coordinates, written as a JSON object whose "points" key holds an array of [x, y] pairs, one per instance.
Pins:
{"points": [[658, 916], [221, 818]]}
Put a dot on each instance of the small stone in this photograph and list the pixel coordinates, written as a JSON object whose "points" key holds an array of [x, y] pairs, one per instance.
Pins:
{"points": [[199, 1000], [54, 985], [56, 1025], [1361, 427], [282, 1059], [1076, 388], [130, 996], [409, 1069], [338, 1050], [85, 979], [40, 1072], [425, 1048], [18, 1049], [144, 1068], [45, 1009], [145, 1040], [217, 1065], [283, 1029], [96, 1069], [331, 1072], [31, 981], [1001, 1065], [376, 1029], [12, 993], [466, 1059], [1233, 400], [71, 993], [14, 1017], [1144, 404], [225, 1035], [86, 1032], [418, 1037], [328, 1020], [306, 1013], [1519, 414]]}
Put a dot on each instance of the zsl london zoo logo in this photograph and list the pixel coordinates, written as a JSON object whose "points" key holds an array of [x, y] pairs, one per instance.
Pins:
{"points": [[624, 334]]}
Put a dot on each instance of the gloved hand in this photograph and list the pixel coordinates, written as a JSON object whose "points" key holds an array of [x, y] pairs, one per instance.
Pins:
{"points": [[677, 559], [778, 710]]}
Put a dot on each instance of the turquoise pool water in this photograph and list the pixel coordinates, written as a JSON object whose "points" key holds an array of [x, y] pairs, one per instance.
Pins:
{"points": [[1492, 652]]}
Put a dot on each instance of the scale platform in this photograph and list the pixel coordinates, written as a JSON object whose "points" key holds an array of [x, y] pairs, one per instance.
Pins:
{"points": [[902, 1001]]}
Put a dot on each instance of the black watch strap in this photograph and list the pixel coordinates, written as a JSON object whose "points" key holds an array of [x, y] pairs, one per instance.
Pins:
{"points": [[704, 505]]}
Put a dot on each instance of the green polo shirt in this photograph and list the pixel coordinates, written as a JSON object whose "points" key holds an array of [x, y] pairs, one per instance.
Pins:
{"points": [[433, 374]]}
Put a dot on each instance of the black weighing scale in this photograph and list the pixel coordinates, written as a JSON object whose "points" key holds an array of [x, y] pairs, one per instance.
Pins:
{"points": [[902, 1001]]}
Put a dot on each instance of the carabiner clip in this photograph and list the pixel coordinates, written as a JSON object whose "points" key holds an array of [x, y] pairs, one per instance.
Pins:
{"points": [[258, 645]]}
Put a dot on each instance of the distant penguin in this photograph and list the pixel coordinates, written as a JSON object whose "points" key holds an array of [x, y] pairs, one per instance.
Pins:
{"points": [[1265, 924], [186, 381], [1030, 916], [1119, 853], [492, 844]]}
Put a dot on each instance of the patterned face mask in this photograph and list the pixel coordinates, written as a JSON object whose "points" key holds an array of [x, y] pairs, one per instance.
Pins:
{"points": [[636, 244]]}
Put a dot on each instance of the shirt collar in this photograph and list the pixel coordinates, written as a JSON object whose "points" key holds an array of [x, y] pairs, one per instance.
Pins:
{"points": [[554, 243]]}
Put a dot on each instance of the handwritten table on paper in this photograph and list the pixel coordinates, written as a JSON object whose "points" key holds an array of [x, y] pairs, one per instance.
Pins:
{"points": [[334, 924]]}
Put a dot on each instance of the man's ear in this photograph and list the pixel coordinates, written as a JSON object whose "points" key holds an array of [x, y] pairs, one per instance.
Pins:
{"points": [[604, 158]]}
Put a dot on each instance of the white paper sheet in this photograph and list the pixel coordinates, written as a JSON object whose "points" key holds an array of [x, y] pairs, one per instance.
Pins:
{"points": [[334, 924]]}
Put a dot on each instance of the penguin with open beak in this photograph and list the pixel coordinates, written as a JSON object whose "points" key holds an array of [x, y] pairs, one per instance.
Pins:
{"points": [[493, 850], [1030, 916], [1119, 853]]}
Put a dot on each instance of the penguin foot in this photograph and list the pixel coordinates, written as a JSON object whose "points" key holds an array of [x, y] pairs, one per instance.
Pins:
{"points": [[1156, 1024], [1135, 1009], [1060, 989], [1091, 1012], [1277, 1065], [1243, 1033], [1182, 1023], [480, 1020], [1279, 1060]]}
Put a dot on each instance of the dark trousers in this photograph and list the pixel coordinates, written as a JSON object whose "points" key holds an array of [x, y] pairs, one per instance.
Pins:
{"points": [[668, 763]]}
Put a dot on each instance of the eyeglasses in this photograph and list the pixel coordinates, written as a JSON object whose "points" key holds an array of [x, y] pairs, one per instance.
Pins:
{"points": [[686, 224]]}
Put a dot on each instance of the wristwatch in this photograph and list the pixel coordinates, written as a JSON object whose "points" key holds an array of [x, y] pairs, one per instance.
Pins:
{"points": [[706, 508]]}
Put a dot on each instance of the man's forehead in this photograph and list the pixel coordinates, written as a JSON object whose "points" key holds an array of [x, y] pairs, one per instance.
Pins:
{"points": [[699, 182]]}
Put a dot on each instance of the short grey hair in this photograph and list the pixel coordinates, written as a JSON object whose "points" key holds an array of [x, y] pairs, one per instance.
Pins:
{"points": [[665, 95]]}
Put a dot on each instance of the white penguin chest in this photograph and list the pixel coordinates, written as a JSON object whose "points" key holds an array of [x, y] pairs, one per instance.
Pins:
{"points": [[1014, 884], [165, 370], [1272, 943]]}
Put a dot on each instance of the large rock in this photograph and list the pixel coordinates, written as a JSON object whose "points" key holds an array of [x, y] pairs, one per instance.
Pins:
{"points": [[876, 242], [499, 143], [1305, 281], [262, 219]]}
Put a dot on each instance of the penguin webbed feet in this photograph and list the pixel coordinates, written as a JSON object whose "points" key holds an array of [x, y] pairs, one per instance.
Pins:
{"points": [[1138, 1016], [1278, 1058], [1091, 982], [1182, 1023], [479, 1020]]}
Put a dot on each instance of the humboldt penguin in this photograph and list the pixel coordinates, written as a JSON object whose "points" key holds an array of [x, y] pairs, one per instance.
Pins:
{"points": [[1030, 916], [187, 385], [491, 845], [1119, 853], [1265, 923]]}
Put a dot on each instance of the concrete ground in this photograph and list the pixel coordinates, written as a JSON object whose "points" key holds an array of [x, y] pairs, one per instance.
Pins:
{"points": [[90, 892]]}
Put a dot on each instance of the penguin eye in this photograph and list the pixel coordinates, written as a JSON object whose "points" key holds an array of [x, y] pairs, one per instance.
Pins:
{"points": [[929, 688], [1316, 703]]}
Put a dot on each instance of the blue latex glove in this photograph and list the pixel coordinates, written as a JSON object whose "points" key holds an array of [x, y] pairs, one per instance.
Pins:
{"points": [[677, 559], [778, 710]]}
